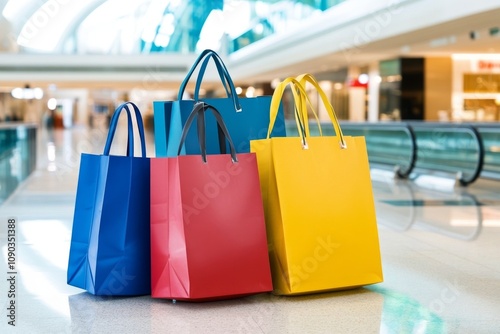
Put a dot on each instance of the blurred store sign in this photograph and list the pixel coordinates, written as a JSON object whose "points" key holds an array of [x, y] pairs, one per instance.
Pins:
{"points": [[488, 65]]}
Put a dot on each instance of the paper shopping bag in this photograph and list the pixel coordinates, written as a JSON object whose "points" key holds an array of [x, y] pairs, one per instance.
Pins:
{"points": [[319, 205], [245, 118], [208, 235], [110, 242]]}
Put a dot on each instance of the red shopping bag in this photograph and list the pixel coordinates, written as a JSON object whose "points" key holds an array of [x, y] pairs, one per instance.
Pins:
{"points": [[208, 235]]}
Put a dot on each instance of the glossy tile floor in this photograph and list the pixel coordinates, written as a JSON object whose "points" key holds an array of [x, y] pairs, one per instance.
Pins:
{"points": [[440, 249]]}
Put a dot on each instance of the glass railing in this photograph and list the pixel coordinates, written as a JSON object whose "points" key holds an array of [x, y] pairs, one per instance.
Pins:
{"points": [[464, 151], [17, 156], [451, 148]]}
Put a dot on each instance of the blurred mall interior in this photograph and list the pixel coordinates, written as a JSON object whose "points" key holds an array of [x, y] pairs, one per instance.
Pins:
{"points": [[420, 79]]}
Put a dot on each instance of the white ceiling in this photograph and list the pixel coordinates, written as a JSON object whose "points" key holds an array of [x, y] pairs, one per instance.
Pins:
{"points": [[420, 28]]}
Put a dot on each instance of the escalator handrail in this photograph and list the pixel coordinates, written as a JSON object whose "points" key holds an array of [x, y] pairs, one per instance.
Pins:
{"points": [[395, 126], [452, 127]]}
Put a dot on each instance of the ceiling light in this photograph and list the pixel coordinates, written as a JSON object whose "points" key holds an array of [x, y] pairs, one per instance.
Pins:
{"points": [[363, 78], [52, 104], [250, 92], [27, 93]]}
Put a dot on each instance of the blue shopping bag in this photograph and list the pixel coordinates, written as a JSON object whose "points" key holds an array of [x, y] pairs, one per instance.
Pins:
{"points": [[110, 241], [246, 118]]}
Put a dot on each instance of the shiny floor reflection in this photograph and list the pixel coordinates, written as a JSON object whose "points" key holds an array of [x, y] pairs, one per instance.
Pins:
{"points": [[439, 247]]}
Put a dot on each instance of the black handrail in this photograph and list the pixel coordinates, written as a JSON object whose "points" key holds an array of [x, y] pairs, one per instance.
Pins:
{"points": [[480, 161], [404, 174], [413, 159], [451, 127], [490, 135]]}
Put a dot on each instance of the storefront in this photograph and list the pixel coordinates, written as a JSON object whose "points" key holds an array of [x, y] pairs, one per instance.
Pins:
{"points": [[476, 87]]}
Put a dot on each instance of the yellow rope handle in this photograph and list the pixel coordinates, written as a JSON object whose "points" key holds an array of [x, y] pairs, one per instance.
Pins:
{"points": [[303, 102], [303, 79], [276, 101], [299, 95]]}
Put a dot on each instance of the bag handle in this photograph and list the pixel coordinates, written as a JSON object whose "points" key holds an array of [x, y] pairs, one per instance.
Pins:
{"points": [[303, 79], [204, 54], [140, 126], [302, 110], [111, 133], [298, 91], [199, 112], [223, 72], [300, 98]]}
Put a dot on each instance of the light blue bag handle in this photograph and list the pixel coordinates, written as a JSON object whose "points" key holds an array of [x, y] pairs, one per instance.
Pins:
{"points": [[140, 125], [223, 73], [205, 55]]}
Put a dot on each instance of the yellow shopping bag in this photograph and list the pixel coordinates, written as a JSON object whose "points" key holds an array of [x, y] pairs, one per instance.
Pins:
{"points": [[318, 203]]}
